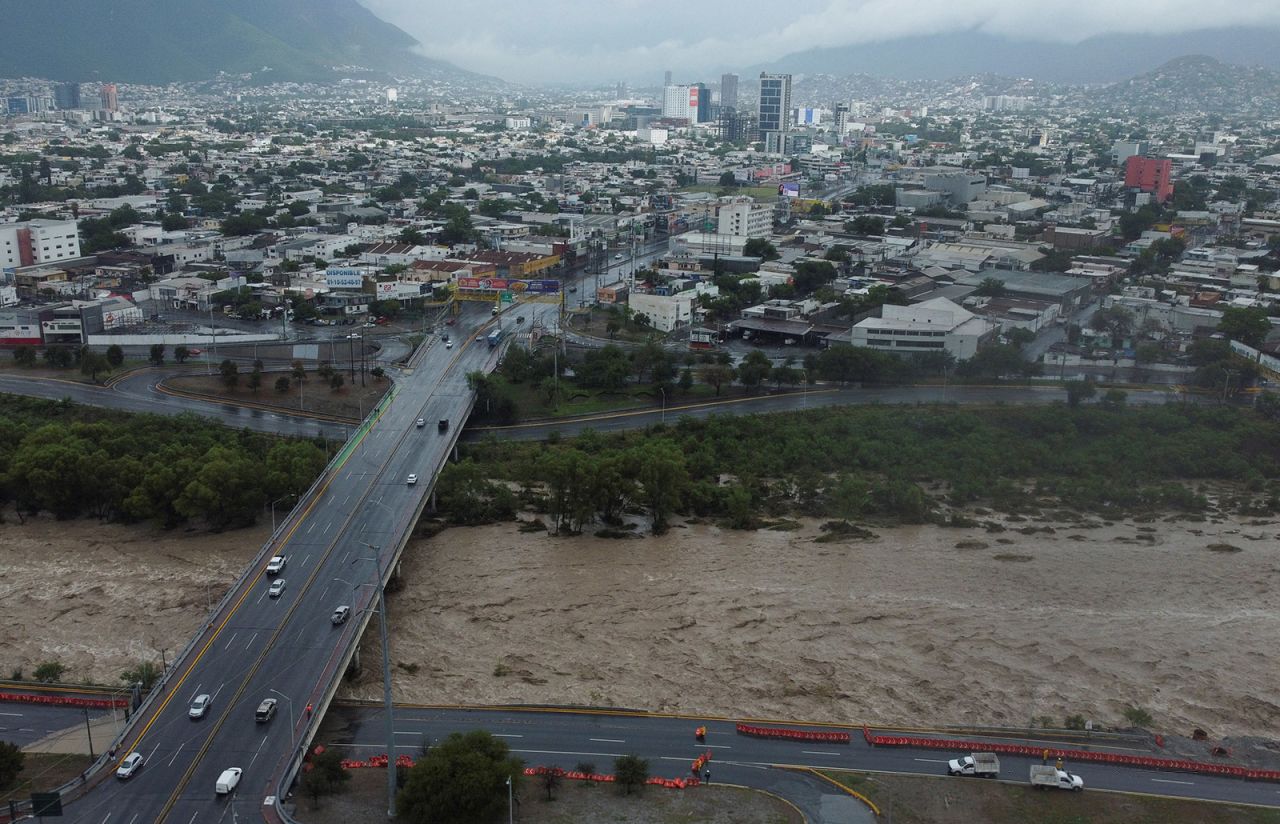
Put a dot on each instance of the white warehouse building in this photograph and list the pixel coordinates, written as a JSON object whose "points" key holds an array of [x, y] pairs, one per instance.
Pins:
{"points": [[932, 326]]}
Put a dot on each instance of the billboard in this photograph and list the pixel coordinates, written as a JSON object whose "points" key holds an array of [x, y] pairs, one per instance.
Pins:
{"points": [[533, 287], [341, 277], [789, 190]]}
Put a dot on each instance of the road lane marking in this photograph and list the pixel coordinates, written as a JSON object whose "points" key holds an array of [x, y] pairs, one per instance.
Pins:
{"points": [[609, 740], [193, 817], [251, 640], [135, 818], [258, 750], [194, 694], [175, 754], [1171, 781], [218, 690], [712, 746], [231, 639], [815, 752], [597, 754], [506, 735], [932, 760], [108, 818], [12, 714], [313, 523], [153, 751]]}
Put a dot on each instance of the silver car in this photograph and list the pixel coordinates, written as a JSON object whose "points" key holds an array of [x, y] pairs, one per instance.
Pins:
{"points": [[130, 765], [200, 706]]}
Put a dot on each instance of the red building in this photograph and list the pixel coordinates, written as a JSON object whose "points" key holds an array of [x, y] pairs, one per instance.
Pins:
{"points": [[1150, 174]]}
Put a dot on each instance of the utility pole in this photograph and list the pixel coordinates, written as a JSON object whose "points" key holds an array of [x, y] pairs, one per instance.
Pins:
{"points": [[89, 732]]}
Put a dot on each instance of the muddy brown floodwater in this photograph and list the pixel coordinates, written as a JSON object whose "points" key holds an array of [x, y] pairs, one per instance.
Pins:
{"points": [[921, 625], [99, 598]]}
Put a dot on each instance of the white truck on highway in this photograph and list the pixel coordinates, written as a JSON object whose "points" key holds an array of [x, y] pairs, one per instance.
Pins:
{"points": [[1044, 777], [981, 764]]}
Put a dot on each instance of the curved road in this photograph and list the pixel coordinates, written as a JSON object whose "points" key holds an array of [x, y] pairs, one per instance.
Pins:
{"points": [[553, 737]]}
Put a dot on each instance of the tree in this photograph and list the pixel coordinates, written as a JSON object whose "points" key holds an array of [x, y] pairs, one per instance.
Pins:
{"points": [[336, 381], [991, 288], [378, 373], [298, 371], [1116, 321], [1246, 325], [630, 772], [755, 367], [174, 222], [551, 782], [1137, 716], [50, 671], [324, 774], [728, 180], [255, 380], [460, 781], [181, 353], [761, 248], [24, 355], [660, 469], [716, 375], [282, 384], [93, 364], [157, 354], [145, 673], [115, 355], [1114, 399], [11, 764], [1078, 391], [865, 225], [230, 373]]}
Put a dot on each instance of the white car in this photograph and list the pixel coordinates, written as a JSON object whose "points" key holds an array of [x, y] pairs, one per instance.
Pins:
{"points": [[200, 706], [617, 257], [411, 480], [277, 588], [228, 780], [448, 344], [130, 765], [276, 565], [340, 615]]}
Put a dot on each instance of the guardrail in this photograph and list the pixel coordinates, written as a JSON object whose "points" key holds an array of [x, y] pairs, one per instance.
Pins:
{"points": [[793, 734], [1149, 762], [64, 700]]}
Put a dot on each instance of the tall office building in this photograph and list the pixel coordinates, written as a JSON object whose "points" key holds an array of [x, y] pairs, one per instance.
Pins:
{"points": [[666, 78], [841, 124], [66, 96], [110, 100], [692, 103], [728, 91], [774, 112]]}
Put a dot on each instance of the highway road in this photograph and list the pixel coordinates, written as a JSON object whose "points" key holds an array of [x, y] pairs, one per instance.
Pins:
{"points": [[338, 544], [565, 738]]}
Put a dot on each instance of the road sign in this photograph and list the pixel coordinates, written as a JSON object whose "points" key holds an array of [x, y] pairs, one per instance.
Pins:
{"points": [[46, 804]]}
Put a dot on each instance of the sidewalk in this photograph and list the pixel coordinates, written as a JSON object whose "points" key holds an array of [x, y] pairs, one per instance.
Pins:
{"points": [[75, 739]]}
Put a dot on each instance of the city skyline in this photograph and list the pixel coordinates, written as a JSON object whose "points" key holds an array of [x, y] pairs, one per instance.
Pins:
{"points": [[567, 40]]}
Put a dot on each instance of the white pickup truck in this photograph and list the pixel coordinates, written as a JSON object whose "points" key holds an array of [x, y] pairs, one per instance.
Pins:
{"points": [[1044, 777], [981, 764]]}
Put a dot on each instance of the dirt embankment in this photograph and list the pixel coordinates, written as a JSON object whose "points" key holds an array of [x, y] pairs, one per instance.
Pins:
{"points": [[924, 625]]}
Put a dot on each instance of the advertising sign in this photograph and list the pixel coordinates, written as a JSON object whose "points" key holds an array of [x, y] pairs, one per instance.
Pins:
{"points": [[387, 290], [535, 287], [789, 190], [343, 277]]}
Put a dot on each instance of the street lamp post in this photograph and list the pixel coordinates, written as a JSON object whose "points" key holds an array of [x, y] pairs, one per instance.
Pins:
{"points": [[511, 811], [663, 393], [293, 727], [273, 509]]}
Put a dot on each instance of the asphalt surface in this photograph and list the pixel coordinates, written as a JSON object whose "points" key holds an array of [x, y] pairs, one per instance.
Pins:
{"points": [[259, 647], [564, 739]]}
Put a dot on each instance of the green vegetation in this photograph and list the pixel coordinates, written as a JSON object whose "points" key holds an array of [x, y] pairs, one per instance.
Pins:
{"points": [[630, 772], [873, 463], [50, 671], [460, 781], [323, 774], [11, 764], [70, 460]]}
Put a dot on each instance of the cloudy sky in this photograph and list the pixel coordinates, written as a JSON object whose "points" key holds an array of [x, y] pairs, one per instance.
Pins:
{"points": [[635, 40]]}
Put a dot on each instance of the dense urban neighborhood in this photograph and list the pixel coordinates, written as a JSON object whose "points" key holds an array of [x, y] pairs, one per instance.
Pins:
{"points": [[931, 415]]}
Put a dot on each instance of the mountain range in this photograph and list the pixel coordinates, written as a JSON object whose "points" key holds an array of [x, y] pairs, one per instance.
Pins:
{"points": [[163, 41], [1102, 59]]}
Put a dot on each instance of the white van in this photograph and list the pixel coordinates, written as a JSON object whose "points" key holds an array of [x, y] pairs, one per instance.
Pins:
{"points": [[228, 780]]}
